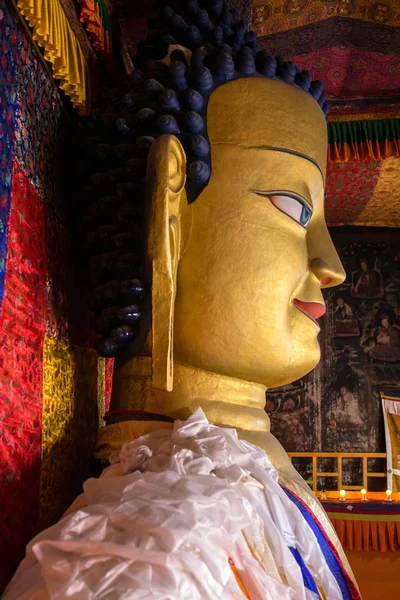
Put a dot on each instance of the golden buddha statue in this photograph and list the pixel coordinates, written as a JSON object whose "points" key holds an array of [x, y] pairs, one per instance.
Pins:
{"points": [[237, 254], [240, 249]]}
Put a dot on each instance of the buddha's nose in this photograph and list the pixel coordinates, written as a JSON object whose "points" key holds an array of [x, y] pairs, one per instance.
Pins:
{"points": [[328, 272]]}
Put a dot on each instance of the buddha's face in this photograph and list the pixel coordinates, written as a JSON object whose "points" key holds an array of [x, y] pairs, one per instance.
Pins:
{"points": [[258, 250]]}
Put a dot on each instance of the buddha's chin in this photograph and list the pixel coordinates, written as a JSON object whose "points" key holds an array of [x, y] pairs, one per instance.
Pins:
{"points": [[303, 360]]}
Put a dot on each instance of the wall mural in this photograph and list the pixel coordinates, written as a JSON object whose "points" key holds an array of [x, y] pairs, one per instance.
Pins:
{"points": [[337, 407]]}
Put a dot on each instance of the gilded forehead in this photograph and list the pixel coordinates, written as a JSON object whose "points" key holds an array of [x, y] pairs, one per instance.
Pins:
{"points": [[266, 112]]}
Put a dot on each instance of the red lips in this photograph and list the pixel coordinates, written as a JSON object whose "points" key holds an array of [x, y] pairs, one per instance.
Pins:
{"points": [[313, 310]]}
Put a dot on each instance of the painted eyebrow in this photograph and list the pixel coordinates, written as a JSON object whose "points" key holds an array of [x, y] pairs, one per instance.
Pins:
{"points": [[293, 152]]}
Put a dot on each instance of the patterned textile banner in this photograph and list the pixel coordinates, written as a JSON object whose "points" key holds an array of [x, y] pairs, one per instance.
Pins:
{"points": [[22, 329], [363, 193], [274, 15], [391, 419], [29, 121], [53, 388]]}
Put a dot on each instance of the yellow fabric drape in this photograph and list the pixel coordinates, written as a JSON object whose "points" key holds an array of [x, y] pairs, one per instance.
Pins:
{"points": [[52, 31], [376, 150]]}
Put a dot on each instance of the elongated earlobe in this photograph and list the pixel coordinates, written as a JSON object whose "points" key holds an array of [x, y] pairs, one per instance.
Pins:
{"points": [[166, 192]]}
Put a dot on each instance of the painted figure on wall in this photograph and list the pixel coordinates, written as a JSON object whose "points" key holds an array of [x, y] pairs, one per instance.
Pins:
{"points": [[348, 410], [199, 500], [291, 416], [366, 283], [386, 340], [345, 422], [346, 324], [343, 311]]}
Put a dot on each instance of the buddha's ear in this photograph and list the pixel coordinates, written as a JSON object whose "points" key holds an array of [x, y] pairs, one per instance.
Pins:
{"points": [[166, 200]]}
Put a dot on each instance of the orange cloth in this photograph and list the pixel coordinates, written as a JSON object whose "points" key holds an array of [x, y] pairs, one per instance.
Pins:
{"points": [[377, 574], [376, 150], [238, 578], [90, 16], [368, 535]]}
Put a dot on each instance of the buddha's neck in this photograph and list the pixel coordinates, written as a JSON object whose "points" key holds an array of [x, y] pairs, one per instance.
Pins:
{"points": [[226, 401]]}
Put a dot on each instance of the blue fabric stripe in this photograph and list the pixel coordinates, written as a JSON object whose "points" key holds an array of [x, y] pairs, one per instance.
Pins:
{"points": [[8, 103], [6, 166], [307, 577], [330, 557]]}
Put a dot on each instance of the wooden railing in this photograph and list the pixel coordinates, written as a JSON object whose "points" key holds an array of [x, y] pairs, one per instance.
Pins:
{"points": [[339, 456]]}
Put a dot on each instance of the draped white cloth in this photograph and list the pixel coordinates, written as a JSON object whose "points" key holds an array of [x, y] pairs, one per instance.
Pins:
{"points": [[165, 521]]}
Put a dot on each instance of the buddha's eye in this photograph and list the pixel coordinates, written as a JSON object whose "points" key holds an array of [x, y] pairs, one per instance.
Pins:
{"points": [[295, 208]]}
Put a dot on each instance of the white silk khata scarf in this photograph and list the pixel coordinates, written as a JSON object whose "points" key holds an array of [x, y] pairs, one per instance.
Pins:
{"points": [[186, 513]]}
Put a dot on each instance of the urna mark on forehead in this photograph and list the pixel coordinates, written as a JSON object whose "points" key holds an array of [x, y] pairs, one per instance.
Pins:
{"points": [[269, 114]]}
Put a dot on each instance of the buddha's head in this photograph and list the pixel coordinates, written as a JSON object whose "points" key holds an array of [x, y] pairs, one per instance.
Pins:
{"points": [[238, 248], [255, 250]]}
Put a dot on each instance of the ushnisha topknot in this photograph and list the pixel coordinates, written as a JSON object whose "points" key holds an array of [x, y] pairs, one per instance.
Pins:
{"points": [[186, 55]]}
